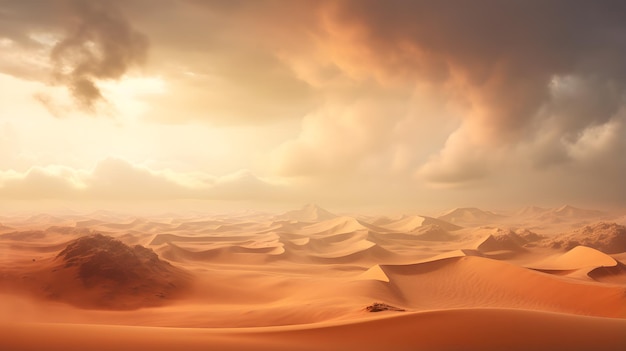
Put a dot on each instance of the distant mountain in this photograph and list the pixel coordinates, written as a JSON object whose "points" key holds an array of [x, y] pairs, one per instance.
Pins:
{"points": [[566, 213], [570, 211], [308, 213], [408, 224], [470, 215], [531, 211]]}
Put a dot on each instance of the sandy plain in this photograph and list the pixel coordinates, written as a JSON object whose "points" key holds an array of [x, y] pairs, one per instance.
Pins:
{"points": [[308, 279]]}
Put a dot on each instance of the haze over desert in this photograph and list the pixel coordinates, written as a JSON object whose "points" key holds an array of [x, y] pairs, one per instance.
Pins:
{"points": [[312, 175]]}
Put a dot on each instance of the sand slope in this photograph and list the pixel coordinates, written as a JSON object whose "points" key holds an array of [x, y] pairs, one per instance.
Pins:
{"points": [[482, 329], [576, 258], [481, 282]]}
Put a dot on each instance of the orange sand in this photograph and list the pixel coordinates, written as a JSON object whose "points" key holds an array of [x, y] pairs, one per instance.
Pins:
{"points": [[302, 280]]}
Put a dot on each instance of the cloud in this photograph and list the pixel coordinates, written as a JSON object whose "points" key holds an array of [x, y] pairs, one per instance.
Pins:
{"points": [[40, 183], [337, 139], [99, 44], [455, 165], [245, 185], [219, 62], [595, 141], [9, 145], [507, 80], [532, 101], [411, 97], [487, 59], [117, 180], [481, 55], [377, 132], [239, 93], [71, 43]]}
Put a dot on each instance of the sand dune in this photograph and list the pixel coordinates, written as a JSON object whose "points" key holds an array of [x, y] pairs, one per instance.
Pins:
{"points": [[382, 220], [506, 241], [195, 225], [27, 235], [228, 253], [609, 274], [285, 227], [308, 213], [482, 329], [410, 224], [576, 258], [470, 216], [4, 228], [434, 232], [176, 253], [584, 263], [336, 225], [174, 238], [481, 282], [364, 250], [89, 223], [49, 233], [452, 254], [374, 273], [500, 242], [258, 281], [44, 218]]}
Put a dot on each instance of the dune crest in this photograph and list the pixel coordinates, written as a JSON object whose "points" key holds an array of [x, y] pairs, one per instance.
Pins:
{"points": [[577, 258], [374, 273]]}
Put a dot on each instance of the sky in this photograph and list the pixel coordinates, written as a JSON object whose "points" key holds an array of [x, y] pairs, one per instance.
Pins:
{"points": [[390, 104]]}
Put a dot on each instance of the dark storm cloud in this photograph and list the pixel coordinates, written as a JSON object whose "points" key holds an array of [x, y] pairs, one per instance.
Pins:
{"points": [[99, 44], [539, 80], [533, 79], [504, 54], [96, 41]]}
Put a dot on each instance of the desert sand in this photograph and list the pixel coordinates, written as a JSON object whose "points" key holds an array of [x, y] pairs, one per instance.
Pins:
{"points": [[467, 279]]}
